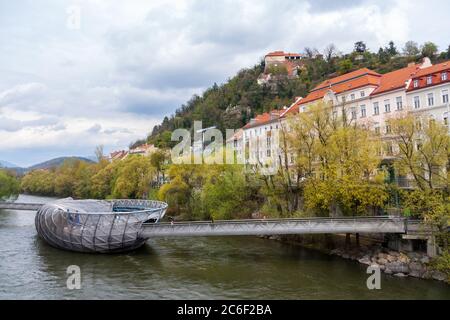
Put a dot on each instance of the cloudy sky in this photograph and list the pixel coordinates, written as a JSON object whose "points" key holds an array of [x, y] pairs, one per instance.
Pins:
{"points": [[69, 84]]}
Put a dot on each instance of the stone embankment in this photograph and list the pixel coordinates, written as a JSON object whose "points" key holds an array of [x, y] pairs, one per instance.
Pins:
{"points": [[398, 264]]}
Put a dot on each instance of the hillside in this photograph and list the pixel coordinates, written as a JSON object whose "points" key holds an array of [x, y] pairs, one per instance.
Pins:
{"points": [[53, 163], [6, 164], [56, 162], [233, 103]]}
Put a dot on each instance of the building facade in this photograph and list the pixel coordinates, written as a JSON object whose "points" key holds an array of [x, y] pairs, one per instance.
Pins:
{"points": [[367, 98], [428, 92]]}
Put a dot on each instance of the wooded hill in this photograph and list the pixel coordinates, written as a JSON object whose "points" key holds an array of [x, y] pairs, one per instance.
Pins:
{"points": [[232, 104]]}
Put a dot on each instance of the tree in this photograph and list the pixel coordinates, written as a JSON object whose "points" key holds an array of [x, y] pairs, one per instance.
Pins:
{"points": [[411, 49], [448, 52], [360, 47], [311, 52], [336, 162], [158, 160], [277, 69], [422, 151], [423, 154], [330, 52], [9, 185], [391, 49], [345, 66], [133, 178], [383, 55], [429, 49]]}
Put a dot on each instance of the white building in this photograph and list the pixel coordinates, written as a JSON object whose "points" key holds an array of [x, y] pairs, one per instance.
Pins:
{"points": [[428, 92], [367, 98]]}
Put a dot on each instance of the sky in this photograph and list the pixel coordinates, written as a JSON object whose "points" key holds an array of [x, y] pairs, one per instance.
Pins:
{"points": [[77, 74]]}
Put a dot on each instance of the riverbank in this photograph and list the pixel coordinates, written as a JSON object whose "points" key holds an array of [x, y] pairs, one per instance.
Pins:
{"points": [[370, 252]]}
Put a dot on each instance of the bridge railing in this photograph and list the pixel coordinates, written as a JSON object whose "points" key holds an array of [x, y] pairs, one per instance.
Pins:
{"points": [[321, 219]]}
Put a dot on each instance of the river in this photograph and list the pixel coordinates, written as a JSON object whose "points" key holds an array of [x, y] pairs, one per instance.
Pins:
{"points": [[188, 268]]}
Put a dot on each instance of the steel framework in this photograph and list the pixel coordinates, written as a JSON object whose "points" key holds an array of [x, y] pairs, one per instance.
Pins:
{"points": [[97, 225], [277, 226]]}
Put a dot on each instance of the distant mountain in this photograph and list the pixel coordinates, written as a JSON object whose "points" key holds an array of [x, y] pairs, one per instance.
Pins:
{"points": [[6, 164], [56, 163]]}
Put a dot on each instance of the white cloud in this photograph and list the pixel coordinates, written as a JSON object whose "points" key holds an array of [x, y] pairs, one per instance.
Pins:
{"points": [[131, 64]]}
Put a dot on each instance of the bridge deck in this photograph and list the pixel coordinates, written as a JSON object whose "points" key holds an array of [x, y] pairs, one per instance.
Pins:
{"points": [[276, 227], [379, 224], [20, 206]]}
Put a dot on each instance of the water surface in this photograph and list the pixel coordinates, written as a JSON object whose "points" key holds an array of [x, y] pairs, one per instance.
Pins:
{"points": [[188, 268]]}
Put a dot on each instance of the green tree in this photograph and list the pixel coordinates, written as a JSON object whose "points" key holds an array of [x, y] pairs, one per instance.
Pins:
{"points": [[345, 66], [360, 47], [133, 178], [411, 49], [423, 154], [429, 49], [391, 49], [9, 185], [337, 162]]}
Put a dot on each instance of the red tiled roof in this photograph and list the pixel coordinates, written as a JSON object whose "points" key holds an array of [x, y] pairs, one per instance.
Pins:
{"points": [[350, 81], [395, 79], [263, 118], [435, 71], [282, 53], [293, 108], [346, 77]]}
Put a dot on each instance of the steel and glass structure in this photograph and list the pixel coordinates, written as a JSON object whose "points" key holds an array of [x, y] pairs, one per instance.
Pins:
{"points": [[97, 225]]}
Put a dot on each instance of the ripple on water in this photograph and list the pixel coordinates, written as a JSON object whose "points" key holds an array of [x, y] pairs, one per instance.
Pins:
{"points": [[190, 268]]}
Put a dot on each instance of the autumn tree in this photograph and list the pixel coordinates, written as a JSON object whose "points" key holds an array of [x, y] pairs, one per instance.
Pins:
{"points": [[422, 155], [9, 185], [336, 162]]}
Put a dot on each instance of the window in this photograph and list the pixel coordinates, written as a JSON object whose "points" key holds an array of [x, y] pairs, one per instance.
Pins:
{"points": [[335, 114], [268, 142], [418, 124], [268, 152], [444, 96], [343, 99], [429, 80], [416, 102], [444, 76], [352, 96], [363, 111], [416, 83], [376, 108], [353, 113], [399, 103], [430, 99], [387, 106], [377, 130], [389, 149], [446, 120], [363, 94], [388, 129]]}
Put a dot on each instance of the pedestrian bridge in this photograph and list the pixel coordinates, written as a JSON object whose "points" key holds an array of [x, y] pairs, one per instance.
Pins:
{"points": [[377, 224], [381, 224]]}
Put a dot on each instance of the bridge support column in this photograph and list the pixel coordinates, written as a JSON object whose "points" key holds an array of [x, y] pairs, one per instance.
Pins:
{"points": [[431, 247]]}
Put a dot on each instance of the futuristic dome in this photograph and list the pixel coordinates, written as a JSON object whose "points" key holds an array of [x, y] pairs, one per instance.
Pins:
{"points": [[97, 225]]}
